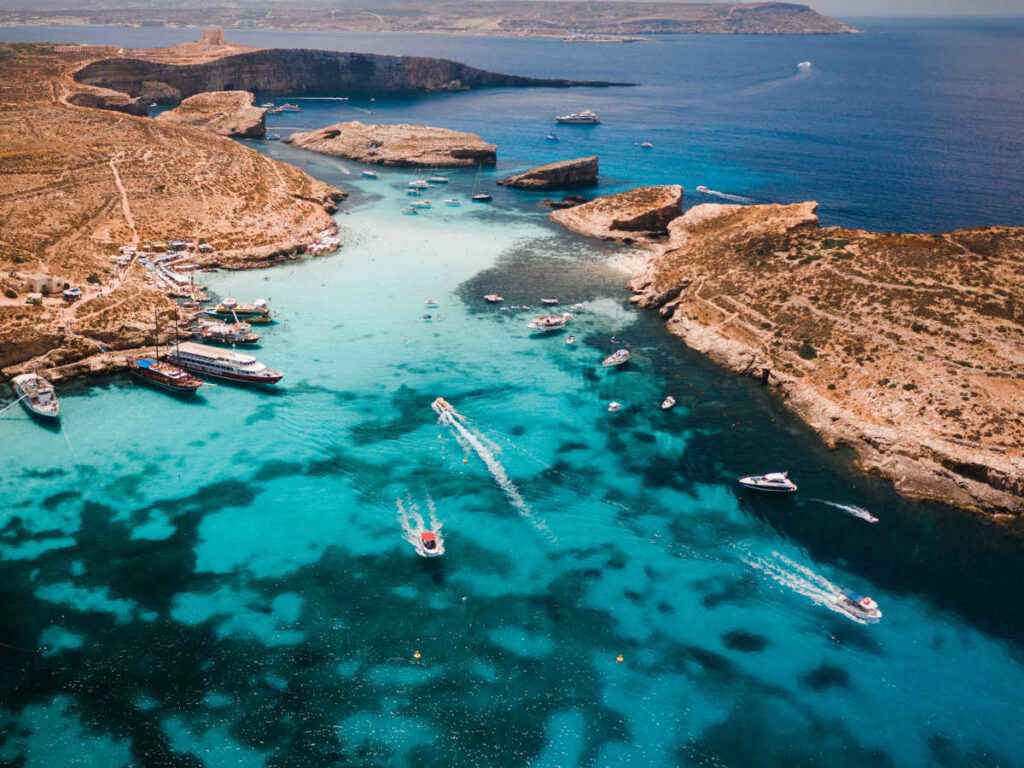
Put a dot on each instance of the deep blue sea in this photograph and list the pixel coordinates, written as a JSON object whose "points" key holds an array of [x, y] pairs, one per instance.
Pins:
{"points": [[229, 581]]}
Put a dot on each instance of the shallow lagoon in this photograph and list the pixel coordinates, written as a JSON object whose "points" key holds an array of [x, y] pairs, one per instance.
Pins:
{"points": [[225, 581]]}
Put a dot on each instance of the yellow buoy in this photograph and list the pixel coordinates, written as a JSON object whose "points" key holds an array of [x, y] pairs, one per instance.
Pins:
{"points": [[416, 654], [465, 460], [619, 658]]}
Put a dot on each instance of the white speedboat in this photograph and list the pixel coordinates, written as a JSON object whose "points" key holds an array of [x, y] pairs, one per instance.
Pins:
{"points": [[369, 174], [37, 395], [453, 202], [274, 137], [571, 340], [586, 117], [482, 197], [421, 204], [858, 606], [431, 303], [618, 357], [493, 298], [548, 323], [646, 145], [552, 137], [267, 106], [437, 180], [777, 482], [290, 108], [577, 307], [549, 301], [410, 211], [667, 403], [418, 184], [443, 409], [614, 406]]}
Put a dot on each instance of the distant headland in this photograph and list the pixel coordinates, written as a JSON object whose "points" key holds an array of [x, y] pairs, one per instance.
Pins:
{"points": [[574, 21]]}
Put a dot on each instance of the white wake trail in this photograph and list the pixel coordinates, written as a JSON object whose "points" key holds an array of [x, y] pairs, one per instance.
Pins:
{"points": [[469, 440], [724, 195], [850, 509]]}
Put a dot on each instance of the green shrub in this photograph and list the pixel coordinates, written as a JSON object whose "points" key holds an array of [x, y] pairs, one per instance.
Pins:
{"points": [[806, 351], [93, 278], [10, 293]]}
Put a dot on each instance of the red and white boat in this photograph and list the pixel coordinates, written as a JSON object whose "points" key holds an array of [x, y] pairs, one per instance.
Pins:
{"points": [[429, 545], [222, 363]]}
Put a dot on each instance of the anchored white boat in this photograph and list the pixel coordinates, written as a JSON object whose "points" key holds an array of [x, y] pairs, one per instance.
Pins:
{"points": [[614, 406], [586, 117], [369, 174], [548, 323], [422, 204], [222, 363], [482, 197], [453, 202], [227, 333], [437, 180], [667, 403], [777, 482], [549, 301], [418, 184], [646, 144], [431, 303], [618, 357], [253, 312], [410, 211], [858, 606], [37, 395], [493, 298]]}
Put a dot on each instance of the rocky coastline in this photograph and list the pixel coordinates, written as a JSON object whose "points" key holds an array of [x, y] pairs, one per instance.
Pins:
{"points": [[906, 348], [225, 113], [581, 172], [398, 145]]}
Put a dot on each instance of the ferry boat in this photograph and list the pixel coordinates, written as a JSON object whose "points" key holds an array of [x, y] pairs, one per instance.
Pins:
{"points": [[253, 312], [227, 333], [164, 375], [482, 197], [857, 606], [777, 482], [369, 174], [586, 117], [222, 363], [548, 323], [37, 395], [618, 357]]}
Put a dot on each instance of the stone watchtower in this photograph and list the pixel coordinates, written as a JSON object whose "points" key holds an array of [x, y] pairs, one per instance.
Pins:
{"points": [[213, 37]]}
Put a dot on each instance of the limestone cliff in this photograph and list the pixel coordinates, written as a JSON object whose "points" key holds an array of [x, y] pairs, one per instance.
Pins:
{"points": [[297, 72], [226, 113], [404, 145], [580, 172], [907, 348], [637, 214]]}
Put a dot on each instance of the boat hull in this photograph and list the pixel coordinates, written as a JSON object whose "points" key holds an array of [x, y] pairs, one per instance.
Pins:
{"points": [[766, 489], [40, 413], [237, 377], [166, 387]]}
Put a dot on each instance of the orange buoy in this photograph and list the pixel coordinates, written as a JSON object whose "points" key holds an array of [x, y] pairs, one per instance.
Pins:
{"points": [[619, 658]]}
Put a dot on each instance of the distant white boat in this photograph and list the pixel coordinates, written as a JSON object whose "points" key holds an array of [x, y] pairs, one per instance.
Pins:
{"points": [[482, 197], [410, 211], [667, 403], [646, 144], [618, 357], [369, 174], [452, 202], [418, 184], [586, 117], [431, 303], [804, 66], [549, 301], [437, 180], [493, 298], [614, 406], [548, 323], [268, 105]]}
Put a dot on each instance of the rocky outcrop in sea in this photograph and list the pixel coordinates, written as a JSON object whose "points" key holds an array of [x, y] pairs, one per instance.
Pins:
{"points": [[580, 172], [226, 113], [636, 214]]}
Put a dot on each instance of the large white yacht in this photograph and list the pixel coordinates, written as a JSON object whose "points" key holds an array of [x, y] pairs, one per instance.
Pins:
{"points": [[222, 363], [586, 117]]}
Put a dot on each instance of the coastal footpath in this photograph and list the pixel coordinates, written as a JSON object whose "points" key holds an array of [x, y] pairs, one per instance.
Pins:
{"points": [[399, 145], [576, 21], [82, 182], [907, 348]]}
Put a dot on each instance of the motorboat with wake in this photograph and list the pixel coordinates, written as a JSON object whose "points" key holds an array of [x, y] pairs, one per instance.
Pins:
{"points": [[777, 482], [549, 323], [858, 606], [430, 544], [37, 395], [443, 409], [586, 117], [616, 358], [667, 403], [167, 377]]}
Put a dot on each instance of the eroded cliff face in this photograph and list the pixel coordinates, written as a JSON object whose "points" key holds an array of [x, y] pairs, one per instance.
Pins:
{"points": [[908, 348], [580, 172], [402, 145], [226, 113], [298, 72]]}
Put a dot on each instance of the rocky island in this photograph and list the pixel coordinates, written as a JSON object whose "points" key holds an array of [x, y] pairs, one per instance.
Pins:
{"points": [[907, 348], [581, 172], [226, 113], [636, 215], [401, 145], [597, 21]]}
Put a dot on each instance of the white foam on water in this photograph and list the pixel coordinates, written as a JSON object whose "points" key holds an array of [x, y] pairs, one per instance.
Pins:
{"points": [[724, 195], [802, 580], [469, 439], [850, 509]]}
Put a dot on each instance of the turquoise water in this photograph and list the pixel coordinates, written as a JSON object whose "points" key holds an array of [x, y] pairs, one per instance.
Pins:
{"points": [[227, 582]]}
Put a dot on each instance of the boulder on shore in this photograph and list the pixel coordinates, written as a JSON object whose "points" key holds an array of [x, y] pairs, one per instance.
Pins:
{"points": [[627, 216], [400, 145], [565, 173], [226, 113]]}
